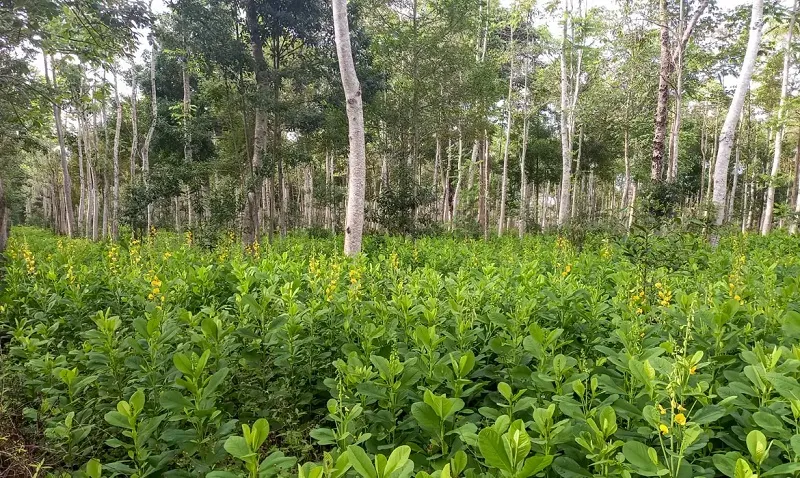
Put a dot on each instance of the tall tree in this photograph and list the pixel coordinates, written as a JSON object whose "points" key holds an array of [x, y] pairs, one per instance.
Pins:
{"points": [[732, 117], [766, 226], [354, 219]]}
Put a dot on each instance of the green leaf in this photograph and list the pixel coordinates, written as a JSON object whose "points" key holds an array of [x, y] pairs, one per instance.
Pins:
{"points": [[490, 443], [237, 446], [215, 381], [782, 469], [769, 422], [174, 401], [94, 469], [505, 391], [426, 416], [643, 459], [137, 401], [569, 468], [726, 463], [742, 469], [118, 420], [260, 432], [361, 462], [708, 414], [534, 465], [183, 363], [757, 446], [397, 459]]}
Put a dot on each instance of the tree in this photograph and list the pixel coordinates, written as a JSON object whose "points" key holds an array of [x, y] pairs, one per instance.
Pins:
{"points": [[354, 220], [732, 118], [766, 225]]}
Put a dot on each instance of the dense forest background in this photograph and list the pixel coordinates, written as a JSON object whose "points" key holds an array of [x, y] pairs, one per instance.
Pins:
{"points": [[481, 117]]}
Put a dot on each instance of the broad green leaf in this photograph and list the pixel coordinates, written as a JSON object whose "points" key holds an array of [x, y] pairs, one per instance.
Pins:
{"points": [[534, 465], [490, 444], [757, 446], [361, 462], [397, 459], [118, 420], [238, 448], [643, 459]]}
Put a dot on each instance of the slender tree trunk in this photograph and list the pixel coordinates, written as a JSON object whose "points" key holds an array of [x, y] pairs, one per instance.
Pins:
{"points": [[566, 147], [70, 215], [660, 133], [5, 219], [81, 178], [115, 193], [732, 118], [796, 193], [134, 124], [509, 109], [150, 131], [446, 183], [187, 133], [523, 178], [251, 225], [457, 193], [776, 159], [354, 220]]}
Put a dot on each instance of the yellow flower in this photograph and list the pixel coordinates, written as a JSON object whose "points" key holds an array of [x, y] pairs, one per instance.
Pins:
{"points": [[692, 370], [664, 429], [661, 410], [681, 408], [680, 419], [737, 298], [658, 285]]}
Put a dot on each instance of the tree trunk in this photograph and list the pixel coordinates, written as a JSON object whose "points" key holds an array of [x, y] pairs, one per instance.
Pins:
{"points": [[134, 124], [81, 178], [354, 218], [150, 131], [115, 194], [523, 178], [70, 215], [457, 193], [732, 118], [660, 133], [187, 133], [796, 193], [566, 147], [252, 220], [769, 207], [504, 180], [4, 219]]}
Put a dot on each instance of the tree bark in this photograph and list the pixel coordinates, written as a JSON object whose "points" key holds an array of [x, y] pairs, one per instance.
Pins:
{"points": [[566, 147], [732, 118], [150, 131], [134, 124], [252, 220], [769, 207], [354, 218], [115, 193], [796, 192], [504, 180], [660, 133], [4, 218], [70, 215]]}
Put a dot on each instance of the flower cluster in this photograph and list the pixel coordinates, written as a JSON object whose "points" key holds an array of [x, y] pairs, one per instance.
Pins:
{"points": [[113, 257], [664, 294], [637, 301], [567, 270], [155, 291], [30, 262]]}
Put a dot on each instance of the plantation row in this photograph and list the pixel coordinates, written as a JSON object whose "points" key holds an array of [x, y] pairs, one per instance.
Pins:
{"points": [[437, 357]]}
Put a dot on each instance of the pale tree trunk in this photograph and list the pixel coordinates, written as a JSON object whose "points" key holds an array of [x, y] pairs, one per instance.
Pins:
{"points": [[509, 109], [95, 183], [150, 131], [471, 169], [523, 178], [4, 219], [660, 133], [187, 133], [354, 218], [446, 183], [796, 194], [732, 118], [104, 166], [115, 193], [252, 220], [329, 191], [677, 60], [566, 147], [81, 176], [457, 193], [769, 207], [745, 202], [70, 215], [483, 202], [134, 124]]}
